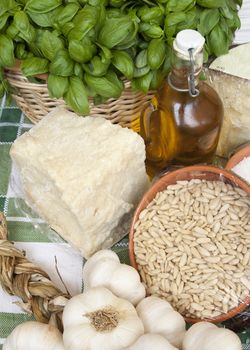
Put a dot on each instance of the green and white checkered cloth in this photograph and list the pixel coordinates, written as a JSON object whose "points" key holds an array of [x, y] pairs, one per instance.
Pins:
{"points": [[32, 235]]}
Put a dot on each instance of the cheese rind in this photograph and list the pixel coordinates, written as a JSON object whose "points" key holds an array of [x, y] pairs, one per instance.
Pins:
{"points": [[82, 176]]}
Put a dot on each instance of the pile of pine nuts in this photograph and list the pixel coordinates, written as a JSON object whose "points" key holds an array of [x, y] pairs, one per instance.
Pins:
{"points": [[192, 247]]}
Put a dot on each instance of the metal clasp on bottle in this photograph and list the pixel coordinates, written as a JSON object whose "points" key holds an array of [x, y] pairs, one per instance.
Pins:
{"points": [[192, 89]]}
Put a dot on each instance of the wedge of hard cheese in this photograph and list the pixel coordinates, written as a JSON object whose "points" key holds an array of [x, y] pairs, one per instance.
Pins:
{"points": [[82, 175], [230, 76]]}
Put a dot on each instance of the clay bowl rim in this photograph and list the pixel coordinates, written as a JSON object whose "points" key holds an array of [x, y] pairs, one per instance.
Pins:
{"points": [[158, 186], [238, 157]]}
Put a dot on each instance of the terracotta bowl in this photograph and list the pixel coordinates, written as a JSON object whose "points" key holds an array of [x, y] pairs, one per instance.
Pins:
{"points": [[238, 157], [188, 173]]}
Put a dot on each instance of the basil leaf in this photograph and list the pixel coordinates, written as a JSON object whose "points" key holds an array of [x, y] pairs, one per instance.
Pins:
{"points": [[101, 20], [12, 31], [105, 54], [34, 65], [139, 72], [127, 43], [113, 78], [123, 62], [227, 12], [234, 23], [50, 43], [141, 59], [85, 20], [208, 20], [78, 70], [47, 19], [26, 31], [76, 97], [38, 6], [211, 3], [115, 30], [96, 67], [143, 83], [206, 53], [20, 51], [157, 79], [3, 20], [8, 6], [113, 13], [151, 31], [98, 2], [167, 62], [174, 18], [81, 51], [153, 15], [178, 6], [116, 3], [7, 58], [239, 2], [232, 5], [2, 90], [62, 64], [156, 53], [67, 13], [67, 28], [1, 73], [98, 100], [218, 41], [35, 46], [170, 32], [103, 86], [191, 20], [57, 85]]}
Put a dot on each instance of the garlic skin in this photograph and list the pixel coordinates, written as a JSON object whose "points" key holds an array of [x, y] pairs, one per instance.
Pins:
{"points": [[97, 319], [34, 335], [159, 317], [151, 341], [207, 336], [104, 269]]}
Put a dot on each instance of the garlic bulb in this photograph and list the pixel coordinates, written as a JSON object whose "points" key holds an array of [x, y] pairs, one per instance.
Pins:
{"points": [[151, 341], [104, 269], [159, 317], [207, 336], [98, 320], [34, 336]]}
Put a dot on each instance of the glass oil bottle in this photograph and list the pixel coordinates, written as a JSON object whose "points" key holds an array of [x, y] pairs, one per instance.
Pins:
{"points": [[182, 123]]}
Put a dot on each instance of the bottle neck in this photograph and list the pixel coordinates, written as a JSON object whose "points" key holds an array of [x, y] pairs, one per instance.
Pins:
{"points": [[184, 75]]}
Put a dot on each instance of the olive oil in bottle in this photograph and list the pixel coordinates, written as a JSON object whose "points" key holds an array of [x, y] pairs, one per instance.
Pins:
{"points": [[182, 123]]}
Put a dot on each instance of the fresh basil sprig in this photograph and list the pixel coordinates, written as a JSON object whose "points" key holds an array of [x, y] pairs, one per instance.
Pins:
{"points": [[86, 47]]}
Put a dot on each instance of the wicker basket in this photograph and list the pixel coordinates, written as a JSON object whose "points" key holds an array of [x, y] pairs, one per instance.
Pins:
{"points": [[33, 99]]}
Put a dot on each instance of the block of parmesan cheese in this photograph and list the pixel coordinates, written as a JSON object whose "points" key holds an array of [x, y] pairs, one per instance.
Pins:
{"points": [[81, 175], [230, 76]]}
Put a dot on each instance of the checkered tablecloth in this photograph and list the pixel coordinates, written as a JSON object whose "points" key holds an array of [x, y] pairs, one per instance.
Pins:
{"points": [[31, 234]]}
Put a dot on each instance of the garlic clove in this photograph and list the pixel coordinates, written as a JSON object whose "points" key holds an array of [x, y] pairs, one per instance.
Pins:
{"points": [[126, 284], [95, 258], [78, 336], [34, 335], [151, 341], [159, 317], [207, 336], [99, 274]]}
